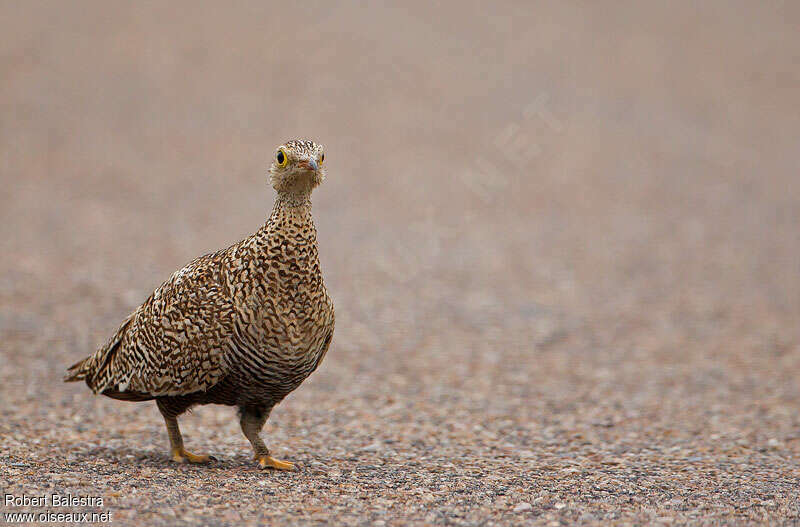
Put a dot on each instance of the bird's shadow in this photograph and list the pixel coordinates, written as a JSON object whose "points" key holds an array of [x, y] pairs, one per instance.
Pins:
{"points": [[128, 457]]}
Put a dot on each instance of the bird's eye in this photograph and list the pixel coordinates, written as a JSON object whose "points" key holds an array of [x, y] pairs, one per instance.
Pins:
{"points": [[321, 158], [281, 158]]}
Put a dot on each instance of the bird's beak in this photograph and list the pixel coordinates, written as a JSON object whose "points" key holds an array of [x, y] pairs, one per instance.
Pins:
{"points": [[311, 164]]}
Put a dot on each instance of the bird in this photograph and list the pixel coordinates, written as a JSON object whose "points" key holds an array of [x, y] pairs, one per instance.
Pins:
{"points": [[243, 326]]}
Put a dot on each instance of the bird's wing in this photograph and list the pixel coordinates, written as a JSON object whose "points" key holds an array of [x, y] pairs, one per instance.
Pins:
{"points": [[175, 342]]}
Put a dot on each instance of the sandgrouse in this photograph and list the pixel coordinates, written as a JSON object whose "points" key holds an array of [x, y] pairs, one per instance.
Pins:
{"points": [[242, 327]]}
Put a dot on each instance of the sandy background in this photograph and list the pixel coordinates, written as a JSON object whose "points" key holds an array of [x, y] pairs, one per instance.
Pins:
{"points": [[562, 240]]}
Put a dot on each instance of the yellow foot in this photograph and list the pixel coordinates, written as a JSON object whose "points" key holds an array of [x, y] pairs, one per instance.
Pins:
{"points": [[269, 461], [182, 456]]}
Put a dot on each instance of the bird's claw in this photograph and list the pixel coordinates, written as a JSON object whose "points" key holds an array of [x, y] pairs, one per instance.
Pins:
{"points": [[269, 461], [184, 456]]}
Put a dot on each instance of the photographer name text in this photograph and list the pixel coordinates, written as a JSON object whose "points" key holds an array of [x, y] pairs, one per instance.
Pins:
{"points": [[52, 500]]}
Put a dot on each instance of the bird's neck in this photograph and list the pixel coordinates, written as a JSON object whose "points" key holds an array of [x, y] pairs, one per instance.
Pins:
{"points": [[291, 218], [293, 200]]}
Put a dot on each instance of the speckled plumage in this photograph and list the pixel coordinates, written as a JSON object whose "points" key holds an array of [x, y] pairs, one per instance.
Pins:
{"points": [[243, 326]]}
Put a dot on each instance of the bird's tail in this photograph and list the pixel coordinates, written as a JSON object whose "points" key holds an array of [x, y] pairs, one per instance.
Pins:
{"points": [[78, 371], [89, 368]]}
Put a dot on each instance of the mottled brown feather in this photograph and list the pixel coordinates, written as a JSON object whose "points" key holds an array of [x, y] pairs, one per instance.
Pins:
{"points": [[241, 326]]}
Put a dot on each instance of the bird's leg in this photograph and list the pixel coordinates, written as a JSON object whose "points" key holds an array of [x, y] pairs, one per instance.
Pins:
{"points": [[179, 454], [252, 420]]}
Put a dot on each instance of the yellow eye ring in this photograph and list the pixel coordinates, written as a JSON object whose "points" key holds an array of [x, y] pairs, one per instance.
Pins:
{"points": [[281, 158], [321, 158]]}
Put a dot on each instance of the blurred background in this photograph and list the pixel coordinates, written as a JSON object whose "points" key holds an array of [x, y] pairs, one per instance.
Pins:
{"points": [[551, 231]]}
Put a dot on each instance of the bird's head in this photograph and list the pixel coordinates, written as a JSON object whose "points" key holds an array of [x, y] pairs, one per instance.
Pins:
{"points": [[297, 167]]}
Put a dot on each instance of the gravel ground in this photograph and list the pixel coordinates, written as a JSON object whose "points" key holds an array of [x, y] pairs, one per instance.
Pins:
{"points": [[561, 239]]}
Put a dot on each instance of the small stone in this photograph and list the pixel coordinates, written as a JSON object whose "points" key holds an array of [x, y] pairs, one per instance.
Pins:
{"points": [[559, 506], [523, 507]]}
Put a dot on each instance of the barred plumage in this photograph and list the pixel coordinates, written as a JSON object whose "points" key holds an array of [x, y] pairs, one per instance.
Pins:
{"points": [[243, 326]]}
